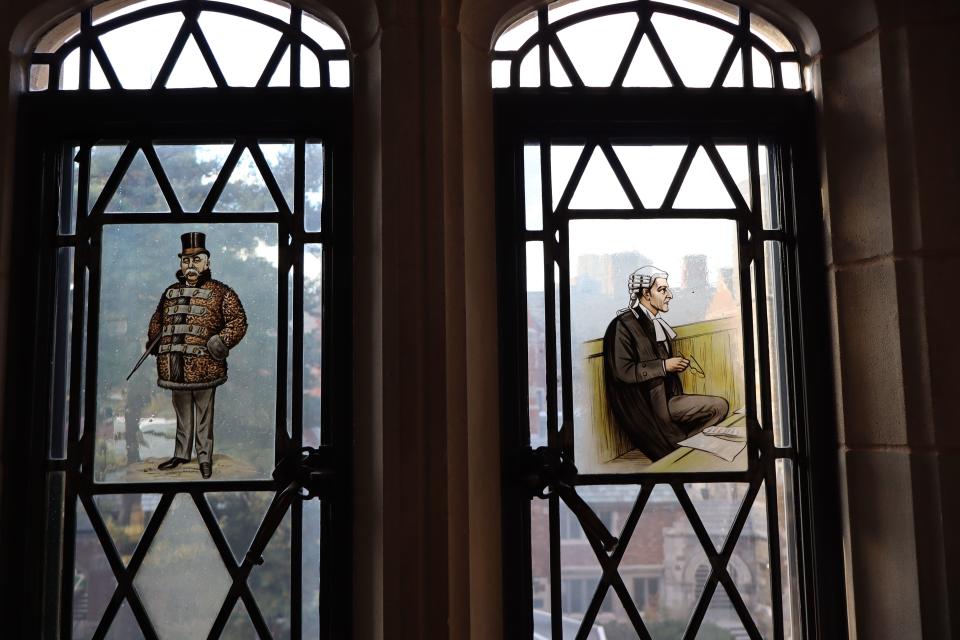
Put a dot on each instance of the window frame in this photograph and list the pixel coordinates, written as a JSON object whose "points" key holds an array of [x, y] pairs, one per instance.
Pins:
{"points": [[525, 114], [47, 121]]}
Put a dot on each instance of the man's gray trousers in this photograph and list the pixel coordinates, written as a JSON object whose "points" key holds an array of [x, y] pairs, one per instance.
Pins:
{"points": [[194, 421]]}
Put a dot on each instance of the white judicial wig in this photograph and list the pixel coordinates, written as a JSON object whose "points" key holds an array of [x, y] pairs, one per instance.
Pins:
{"points": [[643, 278]]}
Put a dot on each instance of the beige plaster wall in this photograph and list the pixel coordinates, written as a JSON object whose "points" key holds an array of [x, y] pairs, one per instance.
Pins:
{"points": [[426, 375]]}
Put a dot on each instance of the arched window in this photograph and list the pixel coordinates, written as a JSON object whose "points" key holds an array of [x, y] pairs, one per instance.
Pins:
{"points": [[183, 264], [657, 211]]}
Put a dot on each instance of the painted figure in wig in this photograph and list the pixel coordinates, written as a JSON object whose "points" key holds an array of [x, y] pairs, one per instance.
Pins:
{"points": [[641, 372], [197, 322]]}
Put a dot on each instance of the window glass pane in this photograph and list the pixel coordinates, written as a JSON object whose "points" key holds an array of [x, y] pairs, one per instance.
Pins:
{"points": [[695, 49], [500, 73], [98, 80], [93, 580], [126, 516], [39, 77], [580, 571], [777, 339], [241, 47], [717, 504], [309, 68], [178, 603], [530, 69], [790, 72], [762, 73], [290, 353], [124, 625], [749, 568], [313, 185], [339, 73], [281, 77], [70, 71], [137, 50], [702, 187], [645, 69], [312, 343], [270, 582], [736, 160], [192, 169], [138, 191], [532, 181], [540, 565], [191, 69], [536, 346], [650, 169], [310, 572], [280, 158], [558, 346], [563, 158], [103, 159], [735, 74], [597, 65], [246, 190], [182, 381], [239, 624], [62, 351], [665, 553], [558, 75], [53, 553], [789, 563], [599, 187], [694, 265], [771, 219], [239, 514]]}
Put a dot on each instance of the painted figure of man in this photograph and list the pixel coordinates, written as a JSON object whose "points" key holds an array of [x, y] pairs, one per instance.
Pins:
{"points": [[199, 320], [641, 371]]}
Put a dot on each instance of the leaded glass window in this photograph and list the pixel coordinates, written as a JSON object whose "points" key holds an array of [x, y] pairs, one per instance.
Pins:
{"points": [[654, 170], [190, 235]]}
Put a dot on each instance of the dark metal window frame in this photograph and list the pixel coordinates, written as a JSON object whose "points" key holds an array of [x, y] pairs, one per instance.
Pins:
{"points": [[49, 122], [783, 120]]}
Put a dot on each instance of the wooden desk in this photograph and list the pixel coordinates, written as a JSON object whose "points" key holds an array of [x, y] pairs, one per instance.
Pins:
{"points": [[687, 460]]}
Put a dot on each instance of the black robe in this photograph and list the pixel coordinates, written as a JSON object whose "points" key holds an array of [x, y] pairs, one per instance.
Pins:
{"points": [[637, 387]]}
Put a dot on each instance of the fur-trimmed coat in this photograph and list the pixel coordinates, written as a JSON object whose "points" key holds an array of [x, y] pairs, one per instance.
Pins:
{"points": [[199, 326]]}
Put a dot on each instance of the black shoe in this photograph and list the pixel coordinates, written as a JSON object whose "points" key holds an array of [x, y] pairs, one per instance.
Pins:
{"points": [[172, 463], [206, 469]]}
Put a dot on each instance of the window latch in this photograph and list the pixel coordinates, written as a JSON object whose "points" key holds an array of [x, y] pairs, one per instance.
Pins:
{"points": [[545, 471], [305, 473]]}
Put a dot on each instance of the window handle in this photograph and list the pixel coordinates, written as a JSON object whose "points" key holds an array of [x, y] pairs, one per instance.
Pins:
{"points": [[544, 471], [306, 473]]}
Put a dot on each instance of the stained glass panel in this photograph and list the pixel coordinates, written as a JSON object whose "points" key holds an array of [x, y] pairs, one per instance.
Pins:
{"points": [[175, 388]]}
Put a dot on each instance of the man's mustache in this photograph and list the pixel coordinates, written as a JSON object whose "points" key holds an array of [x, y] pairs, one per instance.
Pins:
{"points": [[191, 272]]}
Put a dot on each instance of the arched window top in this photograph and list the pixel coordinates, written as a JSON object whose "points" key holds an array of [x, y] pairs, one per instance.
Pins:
{"points": [[644, 43], [174, 44]]}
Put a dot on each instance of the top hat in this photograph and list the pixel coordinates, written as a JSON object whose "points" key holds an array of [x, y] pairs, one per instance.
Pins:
{"points": [[193, 243]]}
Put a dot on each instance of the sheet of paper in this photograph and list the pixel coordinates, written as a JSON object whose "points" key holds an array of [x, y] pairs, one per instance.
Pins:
{"points": [[720, 447]]}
